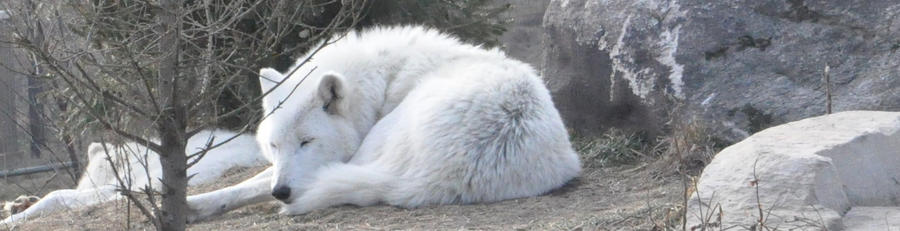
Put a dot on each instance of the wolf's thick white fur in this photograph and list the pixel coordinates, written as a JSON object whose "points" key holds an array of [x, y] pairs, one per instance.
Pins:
{"points": [[98, 183], [406, 116]]}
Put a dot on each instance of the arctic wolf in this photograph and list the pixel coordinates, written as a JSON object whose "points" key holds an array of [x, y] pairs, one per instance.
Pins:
{"points": [[405, 116], [99, 184]]}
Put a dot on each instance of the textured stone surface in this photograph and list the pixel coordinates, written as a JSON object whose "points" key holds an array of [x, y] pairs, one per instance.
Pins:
{"points": [[805, 174], [872, 218], [743, 65], [525, 31]]}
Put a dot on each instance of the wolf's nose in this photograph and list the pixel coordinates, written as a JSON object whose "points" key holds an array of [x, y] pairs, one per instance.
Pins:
{"points": [[281, 193]]}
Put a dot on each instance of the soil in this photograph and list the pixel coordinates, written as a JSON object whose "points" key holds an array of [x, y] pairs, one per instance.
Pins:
{"points": [[611, 198]]}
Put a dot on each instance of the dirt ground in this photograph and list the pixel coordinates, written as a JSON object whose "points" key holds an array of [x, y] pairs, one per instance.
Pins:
{"points": [[614, 198]]}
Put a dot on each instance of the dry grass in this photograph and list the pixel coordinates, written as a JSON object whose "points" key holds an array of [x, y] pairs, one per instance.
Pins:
{"points": [[689, 147], [627, 184], [614, 148]]}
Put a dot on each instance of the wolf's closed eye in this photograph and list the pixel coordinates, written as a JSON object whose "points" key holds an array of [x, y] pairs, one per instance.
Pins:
{"points": [[305, 142]]}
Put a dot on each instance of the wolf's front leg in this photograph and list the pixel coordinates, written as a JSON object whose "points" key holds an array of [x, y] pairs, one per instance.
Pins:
{"points": [[62, 199], [343, 184], [252, 191]]}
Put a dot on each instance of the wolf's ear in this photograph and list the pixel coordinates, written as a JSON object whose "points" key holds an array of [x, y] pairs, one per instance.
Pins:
{"points": [[268, 78], [331, 91], [95, 149]]}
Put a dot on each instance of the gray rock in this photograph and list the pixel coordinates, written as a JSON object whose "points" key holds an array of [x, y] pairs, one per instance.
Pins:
{"points": [[872, 218], [742, 65], [805, 175], [525, 31]]}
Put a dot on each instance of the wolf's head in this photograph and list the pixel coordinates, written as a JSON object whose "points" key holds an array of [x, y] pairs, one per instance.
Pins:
{"points": [[306, 126]]}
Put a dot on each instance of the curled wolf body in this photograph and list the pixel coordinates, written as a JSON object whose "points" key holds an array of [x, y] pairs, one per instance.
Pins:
{"points": [[405, 116], [139, 167]]}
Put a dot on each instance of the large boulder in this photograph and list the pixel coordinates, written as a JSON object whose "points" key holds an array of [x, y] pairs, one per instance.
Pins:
{"points": [[743, 65], [829, 172]]}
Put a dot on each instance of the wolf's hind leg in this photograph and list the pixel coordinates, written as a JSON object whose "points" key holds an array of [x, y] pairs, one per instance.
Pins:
{"points": [[61, 200]]}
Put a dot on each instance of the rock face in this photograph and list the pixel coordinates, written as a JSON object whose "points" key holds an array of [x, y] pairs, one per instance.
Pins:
{"points": [[744, 64], [872, 218], [525, 31], [806, 175]]}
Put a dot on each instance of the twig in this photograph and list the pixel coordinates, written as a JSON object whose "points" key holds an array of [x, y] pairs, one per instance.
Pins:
{"points": [[125, 187], [827, 79], [684, 202], [755, 183]]}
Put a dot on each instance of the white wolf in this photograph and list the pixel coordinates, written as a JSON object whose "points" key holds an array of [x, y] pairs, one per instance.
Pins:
{"points": [[406, 116], [98, 183]]}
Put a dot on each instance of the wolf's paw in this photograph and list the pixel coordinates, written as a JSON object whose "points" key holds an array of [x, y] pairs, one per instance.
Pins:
{"points": [[199, 210], [10, 222], [294, 209]]}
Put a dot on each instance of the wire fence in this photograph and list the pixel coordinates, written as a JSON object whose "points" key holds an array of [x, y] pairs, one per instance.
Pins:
{"points": [[26, 168]]}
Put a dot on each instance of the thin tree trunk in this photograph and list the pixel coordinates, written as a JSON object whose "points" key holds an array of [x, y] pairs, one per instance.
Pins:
{"points": [[69, 142], [171, 125], [174, 197], [35, 87], [827, 79], [35, 110], [73, 156]]}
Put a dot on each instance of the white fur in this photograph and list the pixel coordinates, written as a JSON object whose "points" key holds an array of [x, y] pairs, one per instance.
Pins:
{"points": [[417, 118], [98, 183]]}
